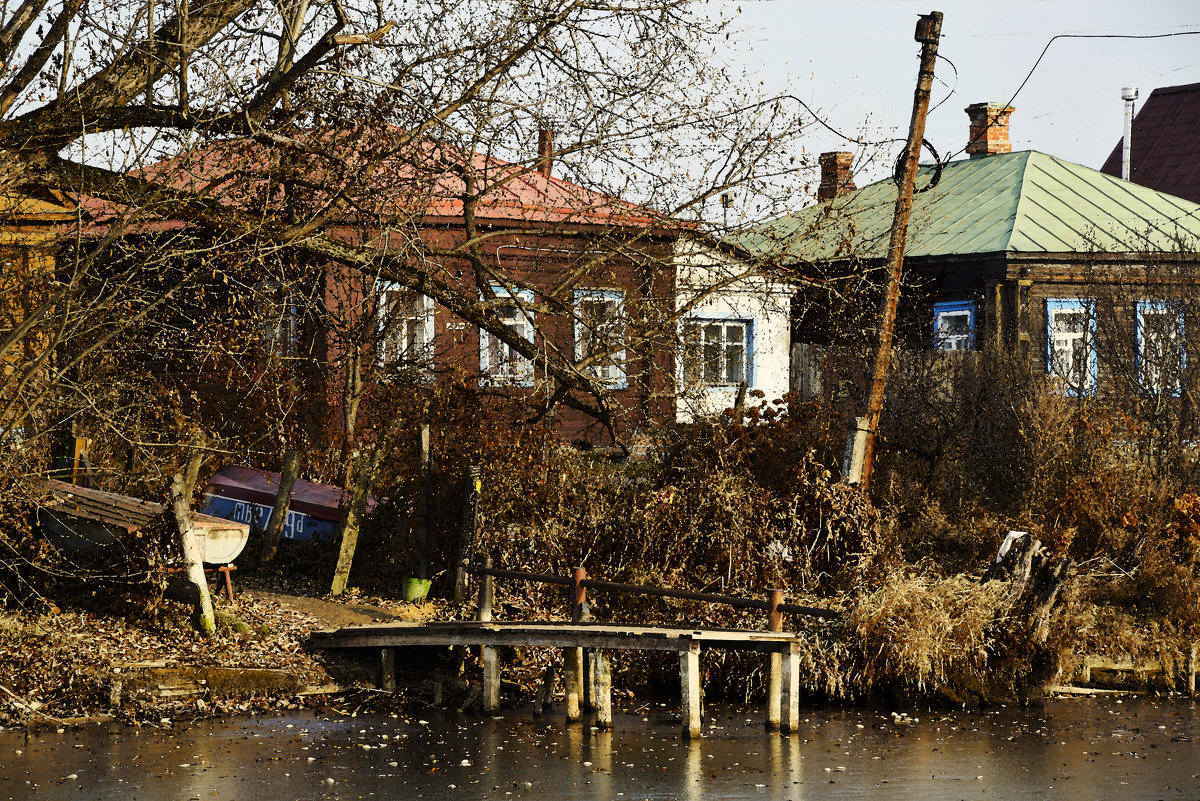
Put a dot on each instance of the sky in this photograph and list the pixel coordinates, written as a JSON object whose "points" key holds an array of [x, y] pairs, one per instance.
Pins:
{"points": [[855, 62]]}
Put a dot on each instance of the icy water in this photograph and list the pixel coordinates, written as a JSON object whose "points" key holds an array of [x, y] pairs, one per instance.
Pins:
{"points": [[1087, 749]]}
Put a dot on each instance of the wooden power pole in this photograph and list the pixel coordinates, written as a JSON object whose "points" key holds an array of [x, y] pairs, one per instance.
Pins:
{"points": [[862, 452]]}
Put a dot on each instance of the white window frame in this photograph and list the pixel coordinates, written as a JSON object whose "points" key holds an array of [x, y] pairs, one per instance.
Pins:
{"points": [[1149, 365], [396, 331], [701, 326], [610, 368], [500, 366], [942, 313], [1060, 349]]}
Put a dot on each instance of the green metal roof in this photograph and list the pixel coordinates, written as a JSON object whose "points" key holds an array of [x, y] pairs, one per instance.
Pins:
{"points": [[1025, 202]]}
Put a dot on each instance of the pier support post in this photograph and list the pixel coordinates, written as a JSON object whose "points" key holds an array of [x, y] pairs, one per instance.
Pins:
{"points": [[589, 680], [387, 670], [1191, 670], [774, 681], [602, 692], [689, 676], [573, 665], [791, 689], [491, 679], [487, 593], [491, 661]]}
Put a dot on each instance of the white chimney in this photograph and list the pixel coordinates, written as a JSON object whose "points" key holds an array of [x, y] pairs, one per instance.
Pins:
{"points": [[1129, 94]]}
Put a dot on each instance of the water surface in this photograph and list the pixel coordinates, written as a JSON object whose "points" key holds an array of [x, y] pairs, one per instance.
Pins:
{"points": [[1094, 749]]}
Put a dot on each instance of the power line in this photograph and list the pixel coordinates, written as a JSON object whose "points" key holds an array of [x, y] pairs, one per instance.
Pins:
{"points": [[1054, 39]]}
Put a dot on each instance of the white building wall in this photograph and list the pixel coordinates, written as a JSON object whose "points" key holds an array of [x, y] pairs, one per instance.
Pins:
{"points": [[713, 286]]}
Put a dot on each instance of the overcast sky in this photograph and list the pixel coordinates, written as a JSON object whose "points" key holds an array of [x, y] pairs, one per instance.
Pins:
{"points": [[855, 61]]}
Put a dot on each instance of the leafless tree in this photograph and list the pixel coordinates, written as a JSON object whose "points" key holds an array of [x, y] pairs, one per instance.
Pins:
{"points": [[197, 141]]}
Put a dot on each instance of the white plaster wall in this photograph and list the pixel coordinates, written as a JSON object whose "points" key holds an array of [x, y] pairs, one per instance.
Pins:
{"points": [[718, 286]]}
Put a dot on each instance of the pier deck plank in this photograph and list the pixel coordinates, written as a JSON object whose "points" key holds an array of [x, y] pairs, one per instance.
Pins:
{"points": [[553, 635]]}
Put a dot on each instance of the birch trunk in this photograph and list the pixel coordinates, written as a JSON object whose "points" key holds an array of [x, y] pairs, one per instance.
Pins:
{"points": [[181, 507], [364, 470], [283, 501]]}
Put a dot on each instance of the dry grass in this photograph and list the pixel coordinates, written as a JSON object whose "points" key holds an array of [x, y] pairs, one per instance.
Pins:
{"points": [[926, 634]]}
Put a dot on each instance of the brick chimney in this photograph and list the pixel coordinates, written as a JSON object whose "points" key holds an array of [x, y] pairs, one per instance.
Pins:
{"points": [[989, 129], [545, 151], [837, 175]]}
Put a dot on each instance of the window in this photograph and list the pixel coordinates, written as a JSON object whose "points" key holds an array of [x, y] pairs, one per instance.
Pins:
{"points": [[278, 318], [1071, 344], [600, 332], [954, 325], [499, 363], [1160, 353], [405, 326], [716, 352]]}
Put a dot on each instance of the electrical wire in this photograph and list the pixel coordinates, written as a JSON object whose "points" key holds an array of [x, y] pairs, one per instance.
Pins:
{"points": [[1054, 39], [949, 94]]}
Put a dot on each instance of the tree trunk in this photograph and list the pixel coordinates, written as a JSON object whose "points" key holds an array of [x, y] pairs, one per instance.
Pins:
{"points": [[181, 507], [283, 501], [363, 470], [425, 508]]}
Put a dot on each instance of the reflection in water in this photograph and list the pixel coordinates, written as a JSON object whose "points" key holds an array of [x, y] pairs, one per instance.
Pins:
{"points": [[1092, 749], [693, 777]]}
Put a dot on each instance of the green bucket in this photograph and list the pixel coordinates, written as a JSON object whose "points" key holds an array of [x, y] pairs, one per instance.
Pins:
{"points": [[416, 589]]}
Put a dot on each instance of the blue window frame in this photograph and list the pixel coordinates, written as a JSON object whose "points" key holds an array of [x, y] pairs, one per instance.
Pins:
{"points": [[954, 325], [499, 363], [718, 352], [1161, 355], [1071, 344], [600, 333]]}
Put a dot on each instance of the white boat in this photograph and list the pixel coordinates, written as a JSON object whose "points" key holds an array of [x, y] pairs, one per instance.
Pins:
{"points": [[78, 519]]}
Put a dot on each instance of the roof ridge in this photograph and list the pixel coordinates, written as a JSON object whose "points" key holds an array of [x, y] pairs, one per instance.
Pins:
{"points": [[1170, 90], [1020, 204]]}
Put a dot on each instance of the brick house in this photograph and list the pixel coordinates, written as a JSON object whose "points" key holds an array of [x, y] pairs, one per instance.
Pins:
{"points": [[1022, 249], [573, 271]]}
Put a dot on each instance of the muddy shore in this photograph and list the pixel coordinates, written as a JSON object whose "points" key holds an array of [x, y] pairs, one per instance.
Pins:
{"points": [[62, 667]]}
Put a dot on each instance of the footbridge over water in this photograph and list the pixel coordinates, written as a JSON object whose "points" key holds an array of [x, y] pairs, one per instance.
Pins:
{"points": [[587, 646]]}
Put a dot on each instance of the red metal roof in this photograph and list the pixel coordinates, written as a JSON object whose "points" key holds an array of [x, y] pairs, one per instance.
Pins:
{"points": [[1166, 143], [420, 183]]}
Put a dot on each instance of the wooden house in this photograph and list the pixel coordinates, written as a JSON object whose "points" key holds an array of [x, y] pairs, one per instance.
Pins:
{"points": [[1090, 277]]}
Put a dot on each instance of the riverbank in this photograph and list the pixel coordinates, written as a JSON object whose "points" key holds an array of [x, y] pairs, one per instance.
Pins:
{"points": [[65, 667], [60, 667]]}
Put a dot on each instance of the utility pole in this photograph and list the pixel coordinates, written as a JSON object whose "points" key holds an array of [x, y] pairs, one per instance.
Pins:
{"points": [[862, 447]]}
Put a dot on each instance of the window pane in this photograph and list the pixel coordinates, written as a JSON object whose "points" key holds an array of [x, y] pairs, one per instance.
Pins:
{"points": [[1072, 349], [405, 321], [691, 353], [1070, 322], [735, 367], [956, 324], [735, 353], [712, 354], [1161, 348], [600, 334], [952, 326]]}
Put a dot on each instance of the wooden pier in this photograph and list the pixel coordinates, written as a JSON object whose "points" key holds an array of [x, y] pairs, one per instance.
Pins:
{"points": [[591, 644]]}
